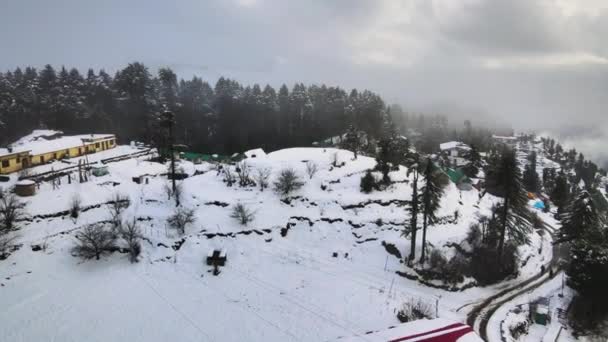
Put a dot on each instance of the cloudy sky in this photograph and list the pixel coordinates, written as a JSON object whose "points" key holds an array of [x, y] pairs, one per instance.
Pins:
{"points": [[536, 64]]}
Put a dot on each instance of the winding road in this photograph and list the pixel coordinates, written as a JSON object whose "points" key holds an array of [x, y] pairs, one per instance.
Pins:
{"points": [[480, 315]]}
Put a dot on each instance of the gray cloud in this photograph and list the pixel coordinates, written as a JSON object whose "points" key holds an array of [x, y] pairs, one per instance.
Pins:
{"points": [[534, 64]]}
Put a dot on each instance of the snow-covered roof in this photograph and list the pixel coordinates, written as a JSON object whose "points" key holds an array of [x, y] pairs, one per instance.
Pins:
{"points": [[45, 141], [36, 134], [502, 137], [423, 330], [453, 144], [255, 153], [542, 309]]}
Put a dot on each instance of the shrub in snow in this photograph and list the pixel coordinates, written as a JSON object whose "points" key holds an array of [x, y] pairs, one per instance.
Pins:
{"points": [[488, 268], [116, 205], [5, 243], [311, 168], [392, 249], [11, 210], [243, 172], [229, 177], [437, 260], [93, 241], [368, 182], [519, 328], [456, 269], [131, 234], [287, 182], [75, 205], [474, 236], [415, 309], [242, 214], [262, 176], [181, 218]]}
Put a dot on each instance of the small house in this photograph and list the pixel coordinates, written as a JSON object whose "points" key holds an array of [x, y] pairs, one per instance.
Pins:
{"points": [[510, 141], [99, 171], [142, 179], [25, 188], [541, 314], [539, 311], [455, 153]]}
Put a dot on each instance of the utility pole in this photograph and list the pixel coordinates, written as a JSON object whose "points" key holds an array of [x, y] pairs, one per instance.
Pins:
{"points": [[167, 122]]}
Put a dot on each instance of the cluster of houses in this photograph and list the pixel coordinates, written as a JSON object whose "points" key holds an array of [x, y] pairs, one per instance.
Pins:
{"points": [[42, 147], [453, 157]]}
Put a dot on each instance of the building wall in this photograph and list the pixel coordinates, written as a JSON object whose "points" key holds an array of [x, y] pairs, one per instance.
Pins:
{"points": [[15, 163]]}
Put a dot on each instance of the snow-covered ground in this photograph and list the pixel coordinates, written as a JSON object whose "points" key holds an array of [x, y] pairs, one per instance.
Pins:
{"points": [[329, 277]]}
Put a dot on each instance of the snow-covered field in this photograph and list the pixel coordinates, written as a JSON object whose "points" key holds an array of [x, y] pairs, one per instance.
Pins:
{"points": [[329, 277]]}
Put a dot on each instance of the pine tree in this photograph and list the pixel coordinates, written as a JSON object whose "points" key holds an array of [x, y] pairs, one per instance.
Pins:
{"points": [[432, 191], [493, 182], [413, 165], [473, 165], [579, 216], [383, 159], [515, 219], [530, 177], [549, 177], [588, 268], [560, 192], [353, 140]]}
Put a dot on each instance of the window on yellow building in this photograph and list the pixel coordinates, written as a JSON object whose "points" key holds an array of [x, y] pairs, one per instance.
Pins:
{"points": [[5, 163]]}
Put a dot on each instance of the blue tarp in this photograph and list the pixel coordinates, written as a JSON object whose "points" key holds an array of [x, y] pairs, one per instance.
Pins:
{"points": [[539, 205]]}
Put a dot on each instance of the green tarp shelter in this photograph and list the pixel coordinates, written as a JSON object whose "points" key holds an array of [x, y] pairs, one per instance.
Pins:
{"points": [[200, 157]]}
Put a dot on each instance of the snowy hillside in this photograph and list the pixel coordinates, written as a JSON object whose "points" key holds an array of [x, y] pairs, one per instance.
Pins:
{"points": [[310, 267]]}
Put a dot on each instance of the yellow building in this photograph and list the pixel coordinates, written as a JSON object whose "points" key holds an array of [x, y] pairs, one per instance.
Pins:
{"points": [[41, 149]]}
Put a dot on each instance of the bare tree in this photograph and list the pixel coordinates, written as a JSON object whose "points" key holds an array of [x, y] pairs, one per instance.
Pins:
{"points": [[242, 214], [5, 242], [181, 218], [93, 241], [243, 172], [75, 205], [262, 176], [11, 210], [130, 232], [311, 168], [287, 182], [175, 194], [229, 177], [116, 205]]}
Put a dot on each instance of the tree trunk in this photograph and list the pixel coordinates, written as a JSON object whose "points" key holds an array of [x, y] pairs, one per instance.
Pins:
{"points": [[414, 218], [505, 213], [423, 251]]}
